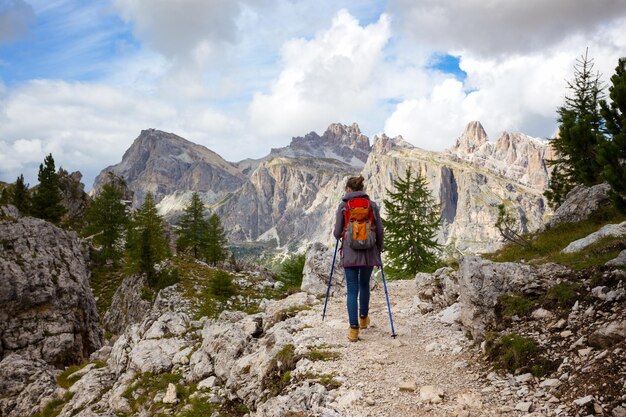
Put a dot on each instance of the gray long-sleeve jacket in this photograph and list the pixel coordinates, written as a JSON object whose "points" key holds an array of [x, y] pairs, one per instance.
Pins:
{"points": [[349, 256]]}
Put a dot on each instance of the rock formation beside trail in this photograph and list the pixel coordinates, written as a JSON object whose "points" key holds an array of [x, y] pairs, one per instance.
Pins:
{"points": [[316, 273], [47, 310], [482, 282], [128, 306], [580, 202]]}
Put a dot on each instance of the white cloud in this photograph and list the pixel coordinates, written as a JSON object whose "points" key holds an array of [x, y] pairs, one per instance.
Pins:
{"points": [[323, 80], [88, 127], [520, 92], [503, 27], [15, 17], [186, 28]]}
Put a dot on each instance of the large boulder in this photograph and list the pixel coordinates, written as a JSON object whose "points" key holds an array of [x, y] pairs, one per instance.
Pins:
{"points": [[47, 309], [580, 202], [317, 267], [482, 282]]}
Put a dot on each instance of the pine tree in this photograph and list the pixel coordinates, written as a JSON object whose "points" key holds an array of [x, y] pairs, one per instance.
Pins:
{"points": [[47, 197], [612, 154], [21, 196], [146, 242], [216, 245], [411, 226], [5, 196], [193, 229], [106, 220], [580, 128]]}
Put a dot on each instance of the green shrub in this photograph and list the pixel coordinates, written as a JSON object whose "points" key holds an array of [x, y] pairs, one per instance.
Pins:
{"points": [[513, 352], [511, 305], [291, 272], [562, 295], [221, 285]]}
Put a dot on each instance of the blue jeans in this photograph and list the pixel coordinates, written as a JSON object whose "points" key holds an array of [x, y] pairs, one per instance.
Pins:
{"points": [[358, 280]]}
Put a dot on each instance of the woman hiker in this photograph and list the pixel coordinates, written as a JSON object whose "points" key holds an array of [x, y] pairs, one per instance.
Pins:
{"points": [[358, 262]]}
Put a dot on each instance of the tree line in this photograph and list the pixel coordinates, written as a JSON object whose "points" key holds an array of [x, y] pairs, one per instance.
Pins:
{"points": [[137, 239]]}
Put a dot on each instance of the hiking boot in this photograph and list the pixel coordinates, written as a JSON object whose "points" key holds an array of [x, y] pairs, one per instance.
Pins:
{"points": [[353, 334], [364, 322]]}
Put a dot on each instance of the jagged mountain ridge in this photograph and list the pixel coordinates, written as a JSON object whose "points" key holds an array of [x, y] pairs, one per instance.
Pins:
{"points": [[290, 195]]}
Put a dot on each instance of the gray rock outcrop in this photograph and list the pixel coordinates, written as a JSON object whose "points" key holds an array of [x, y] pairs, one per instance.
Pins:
{"points": [[127, 307], [26, 385], [609, 230], [47, 310], [482, 282], [580, 202]]}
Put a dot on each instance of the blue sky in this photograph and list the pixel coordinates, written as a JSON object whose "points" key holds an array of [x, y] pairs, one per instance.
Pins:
{"points": [[80, 79]]}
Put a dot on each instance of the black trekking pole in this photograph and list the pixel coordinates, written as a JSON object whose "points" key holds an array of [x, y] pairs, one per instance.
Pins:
{"points": [[393, 332], [332, 268]]}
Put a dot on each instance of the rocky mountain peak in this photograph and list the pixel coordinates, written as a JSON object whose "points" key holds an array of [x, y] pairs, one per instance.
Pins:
{"points": [[383, 144], [472, 138], [163, 163], [341, 142]]}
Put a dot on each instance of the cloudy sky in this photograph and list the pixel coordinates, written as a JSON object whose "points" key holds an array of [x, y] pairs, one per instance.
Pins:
{"points": [[80, 79]]}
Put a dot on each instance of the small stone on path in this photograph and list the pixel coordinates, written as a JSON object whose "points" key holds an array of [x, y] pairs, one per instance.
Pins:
{"points": [[170, 395]]}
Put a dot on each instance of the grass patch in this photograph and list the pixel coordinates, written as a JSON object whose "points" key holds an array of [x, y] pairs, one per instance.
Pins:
{"points": [[562, 295], [290, 312], [321, 353], [143, 389], [54, 407], [64, 380], [327, 380], [279, 373], [510, 305], [546, 246], [517, 353], [104, 281]]}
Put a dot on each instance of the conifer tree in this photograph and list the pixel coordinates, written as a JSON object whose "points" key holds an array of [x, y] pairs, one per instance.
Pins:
{"points": [[216, 245], [193, 233], [106, 219], [411, 226], [612, 154], [5, 196], [146, 242], [580, 130], [46, 202], [20, 197]]}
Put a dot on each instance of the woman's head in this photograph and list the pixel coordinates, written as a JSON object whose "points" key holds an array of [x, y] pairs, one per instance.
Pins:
{"points": [[355, 183]]}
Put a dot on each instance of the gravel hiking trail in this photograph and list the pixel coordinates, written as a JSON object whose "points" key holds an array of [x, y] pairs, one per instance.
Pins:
{"points": [[428, 370]]}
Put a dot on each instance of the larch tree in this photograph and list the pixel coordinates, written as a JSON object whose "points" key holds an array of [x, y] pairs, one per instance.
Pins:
{"points": [[146, 242], [193, 232], [411, 226], [47, 199]]}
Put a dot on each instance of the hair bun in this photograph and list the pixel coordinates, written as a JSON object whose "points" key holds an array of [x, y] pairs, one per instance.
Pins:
{"points": [[355, 183]]}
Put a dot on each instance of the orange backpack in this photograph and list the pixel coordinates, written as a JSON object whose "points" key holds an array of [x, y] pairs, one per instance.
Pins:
{"points": [[359, 230]]}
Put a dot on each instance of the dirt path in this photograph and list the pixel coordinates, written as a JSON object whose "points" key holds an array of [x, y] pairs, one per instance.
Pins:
{"points": [[426, 352]]}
